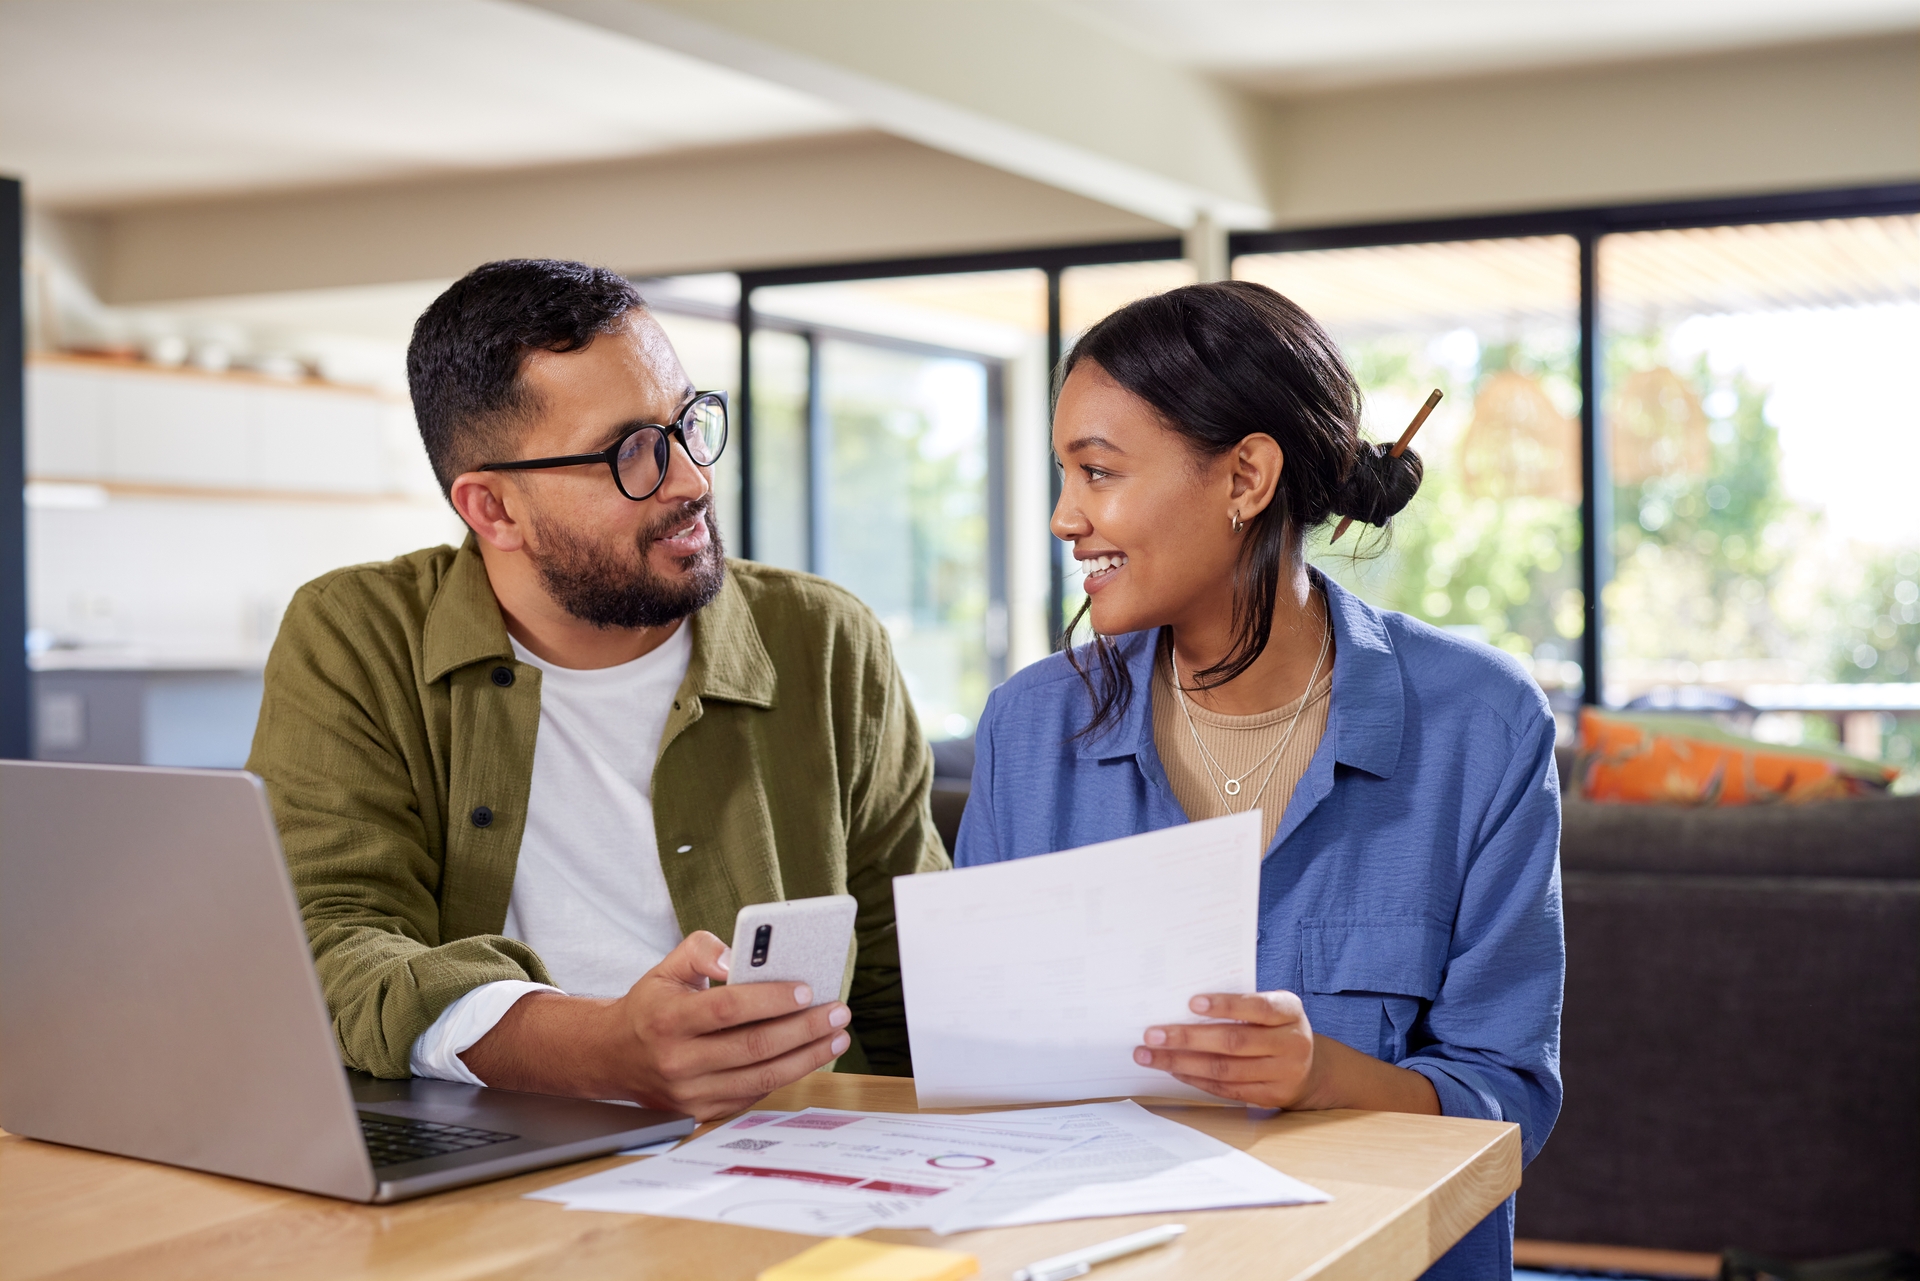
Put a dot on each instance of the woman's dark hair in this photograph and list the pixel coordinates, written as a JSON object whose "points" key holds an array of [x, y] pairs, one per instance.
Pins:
{"points": [[463, 365], [1220, 362]]}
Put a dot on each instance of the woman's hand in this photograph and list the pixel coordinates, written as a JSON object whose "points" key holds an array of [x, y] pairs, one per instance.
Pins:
{"points": [[1265, 1057], [1269, 1057]]}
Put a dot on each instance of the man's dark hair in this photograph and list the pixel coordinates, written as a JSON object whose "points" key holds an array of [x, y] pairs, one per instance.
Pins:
{"points": [[463, 365]]}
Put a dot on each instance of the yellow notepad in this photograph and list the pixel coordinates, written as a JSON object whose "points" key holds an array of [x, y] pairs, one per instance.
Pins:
{"points": [[847, 1259]]}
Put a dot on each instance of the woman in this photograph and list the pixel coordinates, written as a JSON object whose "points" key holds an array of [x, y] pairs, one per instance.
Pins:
{"points": [[1410, 949]]}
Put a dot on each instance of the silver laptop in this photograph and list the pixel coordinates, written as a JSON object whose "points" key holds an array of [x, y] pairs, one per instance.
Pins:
{"points": [[157, 1000]]}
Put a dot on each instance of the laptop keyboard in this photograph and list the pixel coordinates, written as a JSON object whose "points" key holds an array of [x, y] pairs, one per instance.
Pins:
{"points": [[391, 1141]]}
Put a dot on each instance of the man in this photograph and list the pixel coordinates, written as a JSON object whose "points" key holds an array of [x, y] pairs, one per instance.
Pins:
{"points": [[523, 785]]}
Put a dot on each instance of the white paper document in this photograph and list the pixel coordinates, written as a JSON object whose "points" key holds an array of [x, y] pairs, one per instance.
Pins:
{"points": [[1032, 981], [1128, 1162], [828, 1173], [819, 1171]]}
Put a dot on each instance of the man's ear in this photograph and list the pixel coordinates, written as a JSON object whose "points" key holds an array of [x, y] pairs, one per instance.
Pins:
{"points": [[481, 499]]}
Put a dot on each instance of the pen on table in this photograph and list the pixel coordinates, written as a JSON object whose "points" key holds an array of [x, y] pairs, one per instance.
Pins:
{"points": [[1399, 448], [1078, 1263]]}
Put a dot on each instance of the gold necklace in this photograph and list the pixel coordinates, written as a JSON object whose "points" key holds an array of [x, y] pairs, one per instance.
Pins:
{"points": [[1231, 787]]}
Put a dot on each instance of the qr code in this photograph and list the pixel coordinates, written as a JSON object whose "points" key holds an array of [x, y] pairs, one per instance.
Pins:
{"points": [[751, 1145]]}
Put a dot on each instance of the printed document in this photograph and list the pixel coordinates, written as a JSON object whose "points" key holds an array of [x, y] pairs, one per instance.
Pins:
{"points": [[1032, 981], [821, 1171], [1128, 1162], [833, 1173]]}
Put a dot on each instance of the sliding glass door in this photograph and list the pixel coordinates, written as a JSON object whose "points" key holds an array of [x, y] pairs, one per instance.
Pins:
{"points": [[902, 517], [880, 460], [1764, 443], [1490, 549]]}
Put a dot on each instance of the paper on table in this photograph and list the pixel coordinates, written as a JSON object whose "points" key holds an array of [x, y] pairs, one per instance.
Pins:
{"points": [[1032, 981], [829, 1172], [797, 1207], [1131, 1162], [820, 1171]]}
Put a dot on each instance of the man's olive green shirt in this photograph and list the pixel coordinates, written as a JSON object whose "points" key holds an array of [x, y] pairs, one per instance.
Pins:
{"points": [[396, 740]]}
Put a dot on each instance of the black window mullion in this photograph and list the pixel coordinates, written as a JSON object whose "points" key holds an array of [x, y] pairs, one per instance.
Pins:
{"points": [[819, 462], [999, 619], [1596, 507], [742, 418], [16, 715], [1056, 580]]}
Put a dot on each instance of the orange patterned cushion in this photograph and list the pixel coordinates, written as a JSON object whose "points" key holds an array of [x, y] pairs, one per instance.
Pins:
{"points": [[1682, 760]]}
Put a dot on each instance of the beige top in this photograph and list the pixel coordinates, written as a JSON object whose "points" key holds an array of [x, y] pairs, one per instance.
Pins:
{"points": [[1240, 745]]}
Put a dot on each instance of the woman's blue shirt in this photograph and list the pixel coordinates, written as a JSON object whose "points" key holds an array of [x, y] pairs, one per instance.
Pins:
{"points": [[1411, 895]]}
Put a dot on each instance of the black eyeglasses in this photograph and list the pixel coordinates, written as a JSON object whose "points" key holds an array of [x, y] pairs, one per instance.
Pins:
{"points": [[639, 458]]}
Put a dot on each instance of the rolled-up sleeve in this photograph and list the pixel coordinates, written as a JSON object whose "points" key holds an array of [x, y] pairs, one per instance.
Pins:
{"points": [[338, 744], [1490, 1040]]}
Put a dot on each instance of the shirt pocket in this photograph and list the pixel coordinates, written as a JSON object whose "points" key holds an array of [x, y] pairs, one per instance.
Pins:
{"points": [[1367, 979]]}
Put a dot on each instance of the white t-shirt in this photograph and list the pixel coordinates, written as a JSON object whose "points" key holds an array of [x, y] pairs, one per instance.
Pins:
{"points": [[588, 892]]}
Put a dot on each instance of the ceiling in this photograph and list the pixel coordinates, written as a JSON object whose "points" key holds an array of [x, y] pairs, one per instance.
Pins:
{"points": [[106, 101], [1293, 46]]}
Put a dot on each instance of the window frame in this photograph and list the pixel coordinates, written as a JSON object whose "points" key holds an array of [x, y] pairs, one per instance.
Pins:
{"points": [[1586, 225]]}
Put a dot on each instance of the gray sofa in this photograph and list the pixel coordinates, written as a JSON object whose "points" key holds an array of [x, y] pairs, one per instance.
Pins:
{"points": [[1741, 1040]]}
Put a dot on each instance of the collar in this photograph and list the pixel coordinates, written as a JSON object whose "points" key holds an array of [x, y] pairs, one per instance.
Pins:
{"points": [[1132, 733], [1368, 712], [464, 626], [463, 623], [730, 661]]}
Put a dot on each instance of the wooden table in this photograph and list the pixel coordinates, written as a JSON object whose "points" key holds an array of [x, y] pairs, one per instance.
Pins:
{"points": [[1404, 1189]]}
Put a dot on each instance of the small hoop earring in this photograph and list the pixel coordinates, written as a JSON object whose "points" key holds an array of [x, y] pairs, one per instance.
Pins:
{"points": [[1238, 524]]}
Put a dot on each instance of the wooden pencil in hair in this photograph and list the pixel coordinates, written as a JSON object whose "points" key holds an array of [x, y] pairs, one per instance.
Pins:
{"points": [[1399, 448]]}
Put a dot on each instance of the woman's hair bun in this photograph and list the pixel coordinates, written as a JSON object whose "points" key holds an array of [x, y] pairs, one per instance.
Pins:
{"points": [[1378, 485]]}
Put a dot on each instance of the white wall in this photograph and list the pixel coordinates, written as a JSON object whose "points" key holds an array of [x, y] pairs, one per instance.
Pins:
{"points": [[1811, 116], [172, 515], [846, 197]]}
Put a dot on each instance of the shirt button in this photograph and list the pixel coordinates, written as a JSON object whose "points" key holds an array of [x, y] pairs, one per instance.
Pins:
{"points": [[503, 676], [482, 816]]}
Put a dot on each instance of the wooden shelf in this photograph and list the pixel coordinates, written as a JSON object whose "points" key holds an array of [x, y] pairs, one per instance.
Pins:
{"points": [[129, 364], [198, 493]]}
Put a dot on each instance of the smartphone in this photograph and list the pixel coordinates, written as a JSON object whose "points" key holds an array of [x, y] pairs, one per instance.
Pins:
{"points": [[805, 940]]}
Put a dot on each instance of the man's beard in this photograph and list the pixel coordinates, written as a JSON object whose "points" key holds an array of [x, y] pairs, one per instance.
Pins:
{"points": [[598, 588]]}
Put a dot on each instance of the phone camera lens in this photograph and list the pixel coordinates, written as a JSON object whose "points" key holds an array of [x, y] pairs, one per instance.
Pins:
{"points": [[761, 938]]}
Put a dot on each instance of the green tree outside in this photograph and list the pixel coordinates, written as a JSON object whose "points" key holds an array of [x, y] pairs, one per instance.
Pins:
{"points": [[1506, 568]]}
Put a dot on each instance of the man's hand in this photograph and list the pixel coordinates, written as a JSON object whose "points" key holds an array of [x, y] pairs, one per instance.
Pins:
{"points": [[1269, 1057], [671, 1042], [711, 1053]]}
